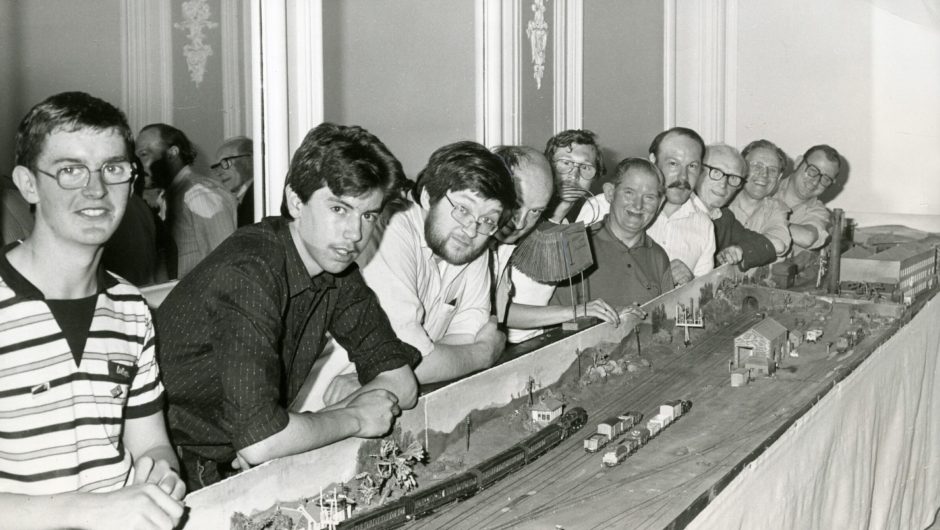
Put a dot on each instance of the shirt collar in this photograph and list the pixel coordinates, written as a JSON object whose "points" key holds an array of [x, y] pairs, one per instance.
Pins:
{"points": [[24, 288], [297, 278]]}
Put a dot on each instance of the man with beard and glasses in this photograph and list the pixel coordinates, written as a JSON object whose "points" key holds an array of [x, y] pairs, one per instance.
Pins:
{"points": [[629, 267], [430, 272], [200, 213], [240, 333], [683, 227]]}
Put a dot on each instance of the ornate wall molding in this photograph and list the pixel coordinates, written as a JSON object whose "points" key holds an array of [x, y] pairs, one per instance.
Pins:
{"points": [[568, 64], [196, 15], [147, 94], [537, 31], [499, 71]]}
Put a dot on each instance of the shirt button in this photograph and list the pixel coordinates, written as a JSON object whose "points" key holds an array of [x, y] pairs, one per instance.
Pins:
{"points": [[629, 265]]}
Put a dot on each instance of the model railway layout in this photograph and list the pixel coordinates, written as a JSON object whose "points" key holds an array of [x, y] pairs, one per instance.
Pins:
{"points": [[466, 485], [636, 435]]}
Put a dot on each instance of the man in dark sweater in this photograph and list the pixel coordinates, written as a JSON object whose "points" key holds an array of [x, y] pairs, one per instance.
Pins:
{"points": [[239, 334]]}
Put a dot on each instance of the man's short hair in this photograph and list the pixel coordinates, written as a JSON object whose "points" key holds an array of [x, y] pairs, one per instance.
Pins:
{"points": [[642, 164], [829, 152], [565, 139], [349, 160], [174, 137], [681, 131], [241, 145], [767, 144], [468, 166], [516, 155], [68, 112]]}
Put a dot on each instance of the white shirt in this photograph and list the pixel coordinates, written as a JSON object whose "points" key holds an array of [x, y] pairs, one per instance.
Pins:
{"points": [[523, 289], [687, 235], [425, 297]]}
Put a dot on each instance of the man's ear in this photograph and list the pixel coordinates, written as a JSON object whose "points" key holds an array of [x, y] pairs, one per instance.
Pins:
{"points": [[797, 161], [609, 192], [652, 158], [425, 199], [25, 180], [173, 152], [294, 204]]}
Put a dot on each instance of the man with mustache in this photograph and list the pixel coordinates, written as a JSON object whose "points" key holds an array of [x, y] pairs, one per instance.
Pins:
{"points": [[682, 228], [240, 333], [629, 267]]}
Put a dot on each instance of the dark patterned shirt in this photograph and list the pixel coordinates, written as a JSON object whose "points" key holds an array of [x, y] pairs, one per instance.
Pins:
{"points": [[238, 335]]}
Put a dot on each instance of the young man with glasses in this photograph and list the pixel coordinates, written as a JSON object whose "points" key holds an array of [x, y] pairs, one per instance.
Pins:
{"points": [[809, 220], [84, 440], [430, 272], [753, 206]]}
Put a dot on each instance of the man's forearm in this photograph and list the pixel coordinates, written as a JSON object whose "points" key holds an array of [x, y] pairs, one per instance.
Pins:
{"points": [[39, 512], [400, 381], [522, 316], [449, 361], [304, 431], [804, 235]]}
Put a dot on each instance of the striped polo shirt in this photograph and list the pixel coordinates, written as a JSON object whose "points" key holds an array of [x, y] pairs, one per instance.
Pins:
{"points": [[61, 423]]}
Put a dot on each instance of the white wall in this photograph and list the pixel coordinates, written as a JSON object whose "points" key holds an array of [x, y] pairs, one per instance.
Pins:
{"points": [[863, 76]]}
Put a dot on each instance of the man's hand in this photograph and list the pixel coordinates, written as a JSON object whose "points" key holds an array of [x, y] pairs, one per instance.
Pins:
{"points": [[340, 387], [570, 192], [493, 342], [732, 254], [635, 310], [602, 310], [375, 410], [680, 272], [144, 506], [146, 471]]}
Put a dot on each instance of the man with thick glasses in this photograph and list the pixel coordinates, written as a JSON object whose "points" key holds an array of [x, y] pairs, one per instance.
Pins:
{"points": [[736, 244], [430, 272], [576, 160], [201, 213], [809, 220], [84, 442], [235, 169], [753, 206]]}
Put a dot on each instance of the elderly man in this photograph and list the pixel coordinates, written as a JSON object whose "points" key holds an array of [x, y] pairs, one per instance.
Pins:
{"points": [[812, 173], [239, 335], [753, 206], [527, 311], [234, 168], [724, 168], [200, 212], [84, 443], [629, 267], [683, 227]]}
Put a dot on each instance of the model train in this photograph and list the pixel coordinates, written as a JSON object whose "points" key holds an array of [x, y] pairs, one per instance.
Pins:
{"points": [[636, 436], [467, 484]]}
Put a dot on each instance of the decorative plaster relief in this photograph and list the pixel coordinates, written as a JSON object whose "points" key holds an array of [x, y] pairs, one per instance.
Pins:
{"points": [[195, 20], [537, 31]]}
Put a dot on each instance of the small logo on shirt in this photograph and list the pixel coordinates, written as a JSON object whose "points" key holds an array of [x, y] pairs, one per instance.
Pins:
{"points": [[121, 372], [117, 391]]}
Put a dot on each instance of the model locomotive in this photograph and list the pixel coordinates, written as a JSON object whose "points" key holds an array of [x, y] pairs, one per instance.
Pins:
{"points": [[467, 484]]}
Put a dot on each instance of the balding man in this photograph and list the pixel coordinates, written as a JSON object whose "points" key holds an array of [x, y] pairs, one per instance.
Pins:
{"points": [[724, 168], [234, 168]]}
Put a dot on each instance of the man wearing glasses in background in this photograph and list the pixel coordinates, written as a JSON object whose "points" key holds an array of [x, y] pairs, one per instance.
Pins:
{"points": [[430, 272], [576, 160], [84, 441], [235, 170], [754, 207], [812, 173]]}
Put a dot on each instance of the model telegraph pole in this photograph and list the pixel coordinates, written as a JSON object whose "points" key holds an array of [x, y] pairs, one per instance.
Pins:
{"points": [[686, 317]]}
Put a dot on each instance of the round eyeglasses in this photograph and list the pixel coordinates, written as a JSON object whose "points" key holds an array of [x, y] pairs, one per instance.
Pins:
{"points": [[566, 166], [816, 175], [77, 176], [714, 173], [758, 168], [484, 225]]}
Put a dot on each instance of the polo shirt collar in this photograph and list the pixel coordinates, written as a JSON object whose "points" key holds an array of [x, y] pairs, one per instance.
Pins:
{"points": [[606, 234], [297, 278], [24, 288]]}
